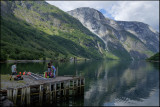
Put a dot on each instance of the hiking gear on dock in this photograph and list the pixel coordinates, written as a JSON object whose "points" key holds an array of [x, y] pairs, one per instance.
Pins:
{"points": [[18, 77], [23, 73], [36, 76]]}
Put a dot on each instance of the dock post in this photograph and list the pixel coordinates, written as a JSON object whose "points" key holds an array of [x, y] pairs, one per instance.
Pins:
{"points": [[76, 87], [83, 81], [72, 83], [15, 95], [23, 92], [64, 88], [68, 86], [72, 87], [80, 85], [77, 82], [55, 91], [47, 92], [60, 89], [28, 95], [50, 92], [41, 93], [9, 94]]}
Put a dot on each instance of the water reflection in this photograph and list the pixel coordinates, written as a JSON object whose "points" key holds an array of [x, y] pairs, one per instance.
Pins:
{"points": [[123, 83], [108, 82]]}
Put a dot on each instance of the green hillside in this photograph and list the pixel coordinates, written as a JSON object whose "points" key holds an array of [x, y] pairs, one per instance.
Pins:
{"points": [[36, 30], [154, 57]]}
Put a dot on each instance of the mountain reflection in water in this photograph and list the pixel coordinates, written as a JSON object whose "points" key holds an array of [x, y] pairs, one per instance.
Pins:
{"points": [[107, 83], [123, 83]]}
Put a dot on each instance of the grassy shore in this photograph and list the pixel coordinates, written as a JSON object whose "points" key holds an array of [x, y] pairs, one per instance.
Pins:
{"points": [[61, 60]]}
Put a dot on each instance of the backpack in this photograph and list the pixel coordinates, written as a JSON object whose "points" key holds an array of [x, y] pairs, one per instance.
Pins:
{"points": [[19, 77]]}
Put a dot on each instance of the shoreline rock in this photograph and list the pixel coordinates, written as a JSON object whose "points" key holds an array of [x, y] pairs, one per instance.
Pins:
{"points": [[5, 102]]}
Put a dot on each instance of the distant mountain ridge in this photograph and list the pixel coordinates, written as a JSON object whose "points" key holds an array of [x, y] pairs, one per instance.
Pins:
{"points": [[123, 39], [38, 30]]}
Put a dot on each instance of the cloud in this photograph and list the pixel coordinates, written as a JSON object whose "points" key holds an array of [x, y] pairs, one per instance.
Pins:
{"points": [[142, 11], [70, 5]]}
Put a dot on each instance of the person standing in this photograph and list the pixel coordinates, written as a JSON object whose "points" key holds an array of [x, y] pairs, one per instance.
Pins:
{"points": [[54, 71], [14, 70]]}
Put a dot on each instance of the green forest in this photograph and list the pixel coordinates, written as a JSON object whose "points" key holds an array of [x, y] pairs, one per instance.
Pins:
{"points": [[154, 57], [33, 31]]}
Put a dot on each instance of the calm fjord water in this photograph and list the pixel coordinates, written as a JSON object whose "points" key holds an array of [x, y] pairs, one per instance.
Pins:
{"points": [[107, 83]]}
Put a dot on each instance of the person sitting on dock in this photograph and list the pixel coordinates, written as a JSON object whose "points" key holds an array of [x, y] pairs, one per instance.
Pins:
{"points": [[14, 70], [49, 66]]}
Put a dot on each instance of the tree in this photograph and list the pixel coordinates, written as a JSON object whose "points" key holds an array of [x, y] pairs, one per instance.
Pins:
{"points": [[3, 56], [56, 54]]}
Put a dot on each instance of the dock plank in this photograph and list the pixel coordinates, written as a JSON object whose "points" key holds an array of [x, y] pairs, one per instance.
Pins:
{"points": [[30, 81]]}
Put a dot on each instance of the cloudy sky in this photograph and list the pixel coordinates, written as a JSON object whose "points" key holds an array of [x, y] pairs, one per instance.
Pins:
{"points": [[143, 11]]}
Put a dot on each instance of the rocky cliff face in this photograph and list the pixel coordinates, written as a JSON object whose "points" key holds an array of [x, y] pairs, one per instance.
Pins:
{"points": [[122, 40], [97, 23], [144, 32]]}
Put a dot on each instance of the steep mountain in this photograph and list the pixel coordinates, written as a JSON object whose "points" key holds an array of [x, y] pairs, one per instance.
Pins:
{"points": [[118, 40], [36, 30], [144, 32]]}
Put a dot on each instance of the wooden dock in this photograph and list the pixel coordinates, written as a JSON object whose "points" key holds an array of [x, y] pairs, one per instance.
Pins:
{"points": [[49, 89]]}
